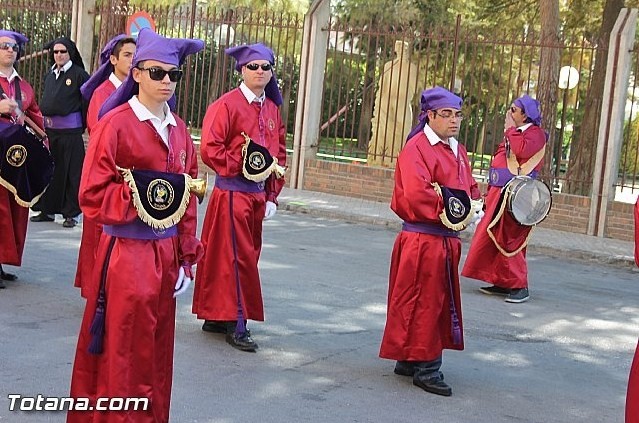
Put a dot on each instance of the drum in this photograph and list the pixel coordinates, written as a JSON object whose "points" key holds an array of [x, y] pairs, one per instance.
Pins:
{"points": [[26, 165], [528, 200]]}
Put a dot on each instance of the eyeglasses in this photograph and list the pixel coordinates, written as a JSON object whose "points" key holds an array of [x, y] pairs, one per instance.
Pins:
{"points": [[60, 51], [254, 66], [7, 46], [447, 114], [158, 74]]}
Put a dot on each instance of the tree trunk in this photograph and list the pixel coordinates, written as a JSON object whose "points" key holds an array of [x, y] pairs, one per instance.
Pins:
{"points": [[549, 79], [584, 147]]}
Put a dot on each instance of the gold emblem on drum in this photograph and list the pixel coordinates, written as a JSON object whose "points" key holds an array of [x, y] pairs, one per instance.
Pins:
{"points": [[257, 161], [160, 194], [16, 155], [456, 207], [68, 82]]}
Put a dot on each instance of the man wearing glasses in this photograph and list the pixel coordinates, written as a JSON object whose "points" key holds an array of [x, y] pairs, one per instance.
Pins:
{"points": [[507, 271], [64, 112], [16, 97], [432, 195], [228, 290], [125, 347]]}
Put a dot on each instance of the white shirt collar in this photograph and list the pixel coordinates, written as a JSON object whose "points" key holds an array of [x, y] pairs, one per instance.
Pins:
{"points": [[65, 68], [13, 75], [433, 139], [522, 128], [114, 80], [250, 95], [142, 113]]}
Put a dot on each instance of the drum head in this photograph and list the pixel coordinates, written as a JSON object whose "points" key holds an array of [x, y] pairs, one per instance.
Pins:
{"points": [[530, 200]]}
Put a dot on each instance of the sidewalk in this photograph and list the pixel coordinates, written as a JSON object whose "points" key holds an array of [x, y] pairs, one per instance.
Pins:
{"points": [[543, 241]]}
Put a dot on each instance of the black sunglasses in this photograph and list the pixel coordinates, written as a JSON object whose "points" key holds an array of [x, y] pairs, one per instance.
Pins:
{"points": [[6, 46], [60, 51], [254, 66], [158, 74]]}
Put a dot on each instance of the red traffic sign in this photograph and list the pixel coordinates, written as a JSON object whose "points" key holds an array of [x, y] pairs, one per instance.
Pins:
{"points": [[137, 21]]}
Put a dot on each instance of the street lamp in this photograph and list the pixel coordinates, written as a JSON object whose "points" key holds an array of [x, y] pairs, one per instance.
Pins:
{"points": [[568, 79]]}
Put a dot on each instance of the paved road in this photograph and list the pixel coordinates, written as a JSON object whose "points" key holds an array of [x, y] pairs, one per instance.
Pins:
{"points": [[562, 357]]}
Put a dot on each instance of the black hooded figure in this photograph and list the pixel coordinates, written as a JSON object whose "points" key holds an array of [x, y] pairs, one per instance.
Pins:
{"points": [[64, 112]]}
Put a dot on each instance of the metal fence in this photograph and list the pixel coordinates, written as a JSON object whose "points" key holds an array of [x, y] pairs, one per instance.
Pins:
{"points": [[374, 77], [41, 21], [210, 73]]}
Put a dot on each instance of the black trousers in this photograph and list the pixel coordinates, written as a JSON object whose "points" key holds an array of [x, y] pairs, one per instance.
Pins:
{"points": [[61, 197]]}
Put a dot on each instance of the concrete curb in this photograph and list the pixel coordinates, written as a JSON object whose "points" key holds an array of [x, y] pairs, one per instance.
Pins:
{"points": [[543, 247]]}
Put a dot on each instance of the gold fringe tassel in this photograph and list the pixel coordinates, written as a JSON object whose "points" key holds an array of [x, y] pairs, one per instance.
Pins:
{"points": [[167, 222], [19, 200]]}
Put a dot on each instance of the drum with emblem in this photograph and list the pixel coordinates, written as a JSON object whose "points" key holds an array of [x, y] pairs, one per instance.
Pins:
{"points": [[26, 165], [528, 200]]}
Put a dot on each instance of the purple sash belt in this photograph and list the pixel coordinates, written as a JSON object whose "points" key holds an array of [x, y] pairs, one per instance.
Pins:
{"points": [[139, 230], [70, 121], [500, 176], [429, 228], [238, 183]]}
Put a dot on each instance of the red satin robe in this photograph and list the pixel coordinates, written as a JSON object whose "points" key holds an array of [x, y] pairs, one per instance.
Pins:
{"points": [[91, 230], [13, 217], [418, 321], [484, 261], [137, 360], [632, 398], [216, 291]]}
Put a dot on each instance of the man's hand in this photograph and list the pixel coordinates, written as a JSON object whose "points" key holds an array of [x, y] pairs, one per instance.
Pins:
{"points": [[271, 209], [185, 276], [8, 106]]}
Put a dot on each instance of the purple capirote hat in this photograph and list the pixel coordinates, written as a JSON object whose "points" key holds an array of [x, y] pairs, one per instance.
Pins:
{"points": [[246, 54], [105, 69], [19, 38], [433, 99], [530, 107], [152, 46]]}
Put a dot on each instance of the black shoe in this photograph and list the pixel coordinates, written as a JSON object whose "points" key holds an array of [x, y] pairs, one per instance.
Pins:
{"points": [[7, 276], [215, 326], [242, 342], [220, 326], [494, 290], [404, 368], [69, 222], [2, 285], [434, 385], [518, 296], [41, 218]]}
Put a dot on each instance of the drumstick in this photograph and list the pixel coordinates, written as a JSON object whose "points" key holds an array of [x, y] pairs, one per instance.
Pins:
{"points": [[28, 120]]}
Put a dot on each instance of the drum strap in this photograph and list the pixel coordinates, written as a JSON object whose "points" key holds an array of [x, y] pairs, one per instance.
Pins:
{"points": [[499, 213], [524, 169]]}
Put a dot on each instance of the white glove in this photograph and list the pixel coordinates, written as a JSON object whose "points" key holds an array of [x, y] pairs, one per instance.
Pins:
{"points": [[271, 208], [183, 281], [476, 218]]}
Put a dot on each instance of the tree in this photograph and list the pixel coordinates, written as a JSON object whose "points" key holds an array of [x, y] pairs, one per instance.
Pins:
{"points": [[549, 75], [583, 151]]}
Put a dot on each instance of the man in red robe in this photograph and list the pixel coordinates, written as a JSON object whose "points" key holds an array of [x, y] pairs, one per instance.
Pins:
{"points": [[13, 217], [424, 314], [115, 63], [125, 347], [501, 259], [228, 289], [632, 398]]}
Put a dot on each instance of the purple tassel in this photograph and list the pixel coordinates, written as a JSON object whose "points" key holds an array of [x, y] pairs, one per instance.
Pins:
{"points": [[457, 334], [97, 330]]}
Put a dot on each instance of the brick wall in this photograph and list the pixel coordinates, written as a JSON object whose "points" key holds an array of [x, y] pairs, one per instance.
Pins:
{"points": [[569, 212]]}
